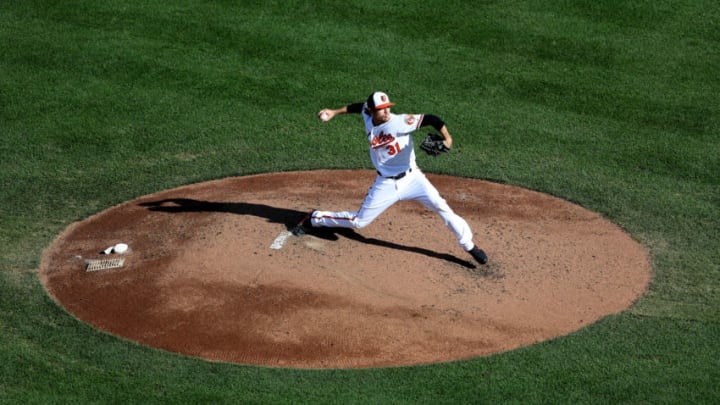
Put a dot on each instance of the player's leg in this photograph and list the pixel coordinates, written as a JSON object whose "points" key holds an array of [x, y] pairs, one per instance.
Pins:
{"points": [[334, 219], [455, 222], [423, 191], [380, 197]]}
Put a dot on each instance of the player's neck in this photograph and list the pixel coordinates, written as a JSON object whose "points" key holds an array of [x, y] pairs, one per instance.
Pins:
{"points": [[379, 121]]}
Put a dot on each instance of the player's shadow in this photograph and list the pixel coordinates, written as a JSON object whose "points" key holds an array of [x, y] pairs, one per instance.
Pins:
{"points": [[287, 217]]}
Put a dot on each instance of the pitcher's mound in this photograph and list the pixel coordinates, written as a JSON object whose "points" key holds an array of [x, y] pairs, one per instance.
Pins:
{"points": [[201, 279]]}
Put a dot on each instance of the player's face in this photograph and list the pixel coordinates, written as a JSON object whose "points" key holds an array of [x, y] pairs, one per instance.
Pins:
{"points": [[381, 116]]}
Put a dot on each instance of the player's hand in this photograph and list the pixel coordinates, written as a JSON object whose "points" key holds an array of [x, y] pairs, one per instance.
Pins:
{"points": [[434, 145], [326, 114]]}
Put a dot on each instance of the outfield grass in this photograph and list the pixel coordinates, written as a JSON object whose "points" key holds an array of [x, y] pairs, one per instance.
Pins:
{"points": [[610, 104]]}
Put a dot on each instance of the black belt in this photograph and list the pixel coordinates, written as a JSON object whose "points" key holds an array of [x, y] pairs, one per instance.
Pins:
{"points": [[397, 176]]}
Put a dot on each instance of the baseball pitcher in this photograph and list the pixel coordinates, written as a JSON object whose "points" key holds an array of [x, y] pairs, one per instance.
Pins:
{"points": [[398, 176]]}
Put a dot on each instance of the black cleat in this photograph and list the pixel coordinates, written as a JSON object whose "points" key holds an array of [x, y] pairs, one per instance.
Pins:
{"points": [[479, 255], [298, 230], [301, 228]]}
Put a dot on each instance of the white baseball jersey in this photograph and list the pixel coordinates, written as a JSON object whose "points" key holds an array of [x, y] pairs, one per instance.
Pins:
{"points": [[391, 143], [392, 154]]}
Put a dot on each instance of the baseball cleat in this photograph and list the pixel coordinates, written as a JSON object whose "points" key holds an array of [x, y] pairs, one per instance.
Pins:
{"points": [[302, 226], [479, 255], [298, 230]]}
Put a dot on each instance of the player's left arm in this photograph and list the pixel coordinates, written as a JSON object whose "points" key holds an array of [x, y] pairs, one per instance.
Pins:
{"points": [[437, 123]]}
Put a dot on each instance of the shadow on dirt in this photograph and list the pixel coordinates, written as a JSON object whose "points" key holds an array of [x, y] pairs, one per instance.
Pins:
{"points": [[289, 218]]}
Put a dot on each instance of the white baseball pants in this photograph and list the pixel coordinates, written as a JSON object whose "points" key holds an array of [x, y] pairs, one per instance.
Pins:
{"points": [[384, 193]]}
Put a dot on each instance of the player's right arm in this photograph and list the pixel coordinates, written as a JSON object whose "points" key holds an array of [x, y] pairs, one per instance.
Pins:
{"points": [[326, 114]]}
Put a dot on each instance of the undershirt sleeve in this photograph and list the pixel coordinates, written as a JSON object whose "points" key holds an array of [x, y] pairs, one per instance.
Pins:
{"points": [[355, 108], [433, 121]]}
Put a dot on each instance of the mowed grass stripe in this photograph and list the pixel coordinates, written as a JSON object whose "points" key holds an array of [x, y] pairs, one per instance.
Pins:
{"points": [[609, 104]]}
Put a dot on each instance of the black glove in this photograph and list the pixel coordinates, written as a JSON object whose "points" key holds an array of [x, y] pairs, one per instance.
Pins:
{"points": [[434, 145]]}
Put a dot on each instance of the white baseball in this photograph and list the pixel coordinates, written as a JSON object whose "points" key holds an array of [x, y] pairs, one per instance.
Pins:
{"points": [[324, 116]]}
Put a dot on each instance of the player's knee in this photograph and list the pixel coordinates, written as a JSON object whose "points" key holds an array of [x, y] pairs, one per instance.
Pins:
{"points": [[359, 223]]}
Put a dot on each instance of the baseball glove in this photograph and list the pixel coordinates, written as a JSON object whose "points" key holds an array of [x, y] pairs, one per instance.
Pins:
{"points": [[433, 145]]}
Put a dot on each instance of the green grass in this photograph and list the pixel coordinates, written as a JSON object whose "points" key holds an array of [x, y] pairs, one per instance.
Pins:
{"points": [[611, 104]]}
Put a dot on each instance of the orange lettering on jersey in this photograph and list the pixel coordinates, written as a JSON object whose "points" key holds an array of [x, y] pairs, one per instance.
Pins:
{"points": [[381, 140]]}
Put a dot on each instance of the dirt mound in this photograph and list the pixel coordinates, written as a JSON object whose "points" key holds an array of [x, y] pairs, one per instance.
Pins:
{"points": [[201, 279]]}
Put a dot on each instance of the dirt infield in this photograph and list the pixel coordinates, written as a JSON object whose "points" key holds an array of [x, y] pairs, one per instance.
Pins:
{"points": [[200, 278]]}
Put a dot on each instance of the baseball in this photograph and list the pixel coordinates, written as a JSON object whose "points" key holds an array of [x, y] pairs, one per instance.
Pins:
{"points": [[324, 116], [120, 248]]}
